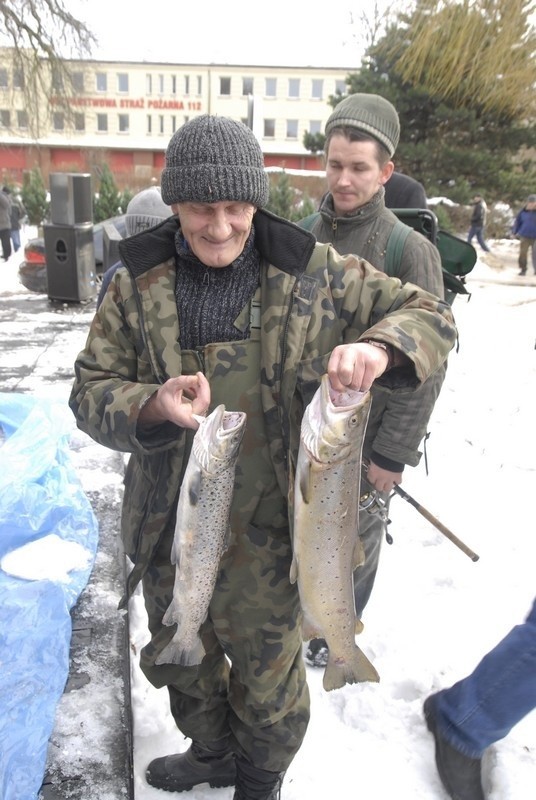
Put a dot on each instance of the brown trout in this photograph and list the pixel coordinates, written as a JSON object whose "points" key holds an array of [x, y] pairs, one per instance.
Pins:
{"points": [[326, 541], [201, 530]]}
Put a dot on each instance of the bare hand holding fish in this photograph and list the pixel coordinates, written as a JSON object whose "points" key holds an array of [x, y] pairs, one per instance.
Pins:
{"points": [[326, 542], [179, 400], [356, 366], [202, 530]]}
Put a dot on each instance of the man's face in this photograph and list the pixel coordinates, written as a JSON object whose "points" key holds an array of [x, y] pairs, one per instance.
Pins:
{"points": [[215, 232], [354, 173]]}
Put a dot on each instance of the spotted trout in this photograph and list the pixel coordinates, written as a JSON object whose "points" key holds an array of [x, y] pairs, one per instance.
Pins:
{"points": [[201, 530], [326, 541]]}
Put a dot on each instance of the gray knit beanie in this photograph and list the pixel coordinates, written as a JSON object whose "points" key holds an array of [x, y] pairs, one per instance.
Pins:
{"points": [[371, 114], [209, 159], [145, 210]]}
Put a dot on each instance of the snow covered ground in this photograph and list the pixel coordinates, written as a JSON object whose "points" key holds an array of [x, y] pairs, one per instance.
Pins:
{"points": [[434, 613]]}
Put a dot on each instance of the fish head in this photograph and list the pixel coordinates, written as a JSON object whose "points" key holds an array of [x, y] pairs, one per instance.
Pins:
{"points": [[334, 422], [218, 438]]}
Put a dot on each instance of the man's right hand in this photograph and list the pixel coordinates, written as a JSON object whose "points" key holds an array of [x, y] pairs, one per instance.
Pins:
{"points": [[178, 400]]}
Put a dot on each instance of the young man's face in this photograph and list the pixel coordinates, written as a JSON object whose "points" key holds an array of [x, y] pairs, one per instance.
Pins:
{"points": [[353, 173], [215, 232]]}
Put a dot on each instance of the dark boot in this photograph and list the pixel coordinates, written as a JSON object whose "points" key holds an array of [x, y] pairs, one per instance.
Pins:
{"points": [[317, 653], [460, 774], [253, 783], [211, 763]]}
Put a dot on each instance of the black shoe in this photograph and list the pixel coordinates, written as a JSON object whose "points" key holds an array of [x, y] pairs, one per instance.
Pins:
{"points": [[317, 653], [522, 272], [253, 783], [212, 763], [460, 774]]}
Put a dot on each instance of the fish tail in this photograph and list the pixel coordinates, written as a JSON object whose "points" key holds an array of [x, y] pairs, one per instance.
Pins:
{"points": [[176, 653], [354, 670]]}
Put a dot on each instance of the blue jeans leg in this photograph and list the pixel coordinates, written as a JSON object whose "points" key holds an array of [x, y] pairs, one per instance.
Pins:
{"points": [[484, 707]]}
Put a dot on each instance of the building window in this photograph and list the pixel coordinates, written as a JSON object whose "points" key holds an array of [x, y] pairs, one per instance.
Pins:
{"points": [[317, 89], [102, 123], [149, 123], [148, 84], [79, 121], [161, 84], [173, 123], [186, 84], [102, 81], [173, 84], [58, 120], [4, 79], [5, 118], [269, 128], [247, 86], [270, 87], [124, 123], [292, 128], [199, 85], [22, 119], [225, 86], [18, 78], [77, 79], [315, 126], [340, 87], [161, 123], [122, 82], [57, 79], [294, 88]]}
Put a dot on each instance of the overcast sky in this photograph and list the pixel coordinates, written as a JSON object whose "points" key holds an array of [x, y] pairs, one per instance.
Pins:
{"points": [[280, 33]]}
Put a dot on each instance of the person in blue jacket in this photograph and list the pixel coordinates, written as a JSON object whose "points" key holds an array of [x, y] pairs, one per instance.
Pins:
{"points": [[525, 229], [482, 708]]}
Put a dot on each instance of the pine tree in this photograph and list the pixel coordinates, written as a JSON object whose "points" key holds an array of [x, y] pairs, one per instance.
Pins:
{"points": [[108, 201], [34, 197]]}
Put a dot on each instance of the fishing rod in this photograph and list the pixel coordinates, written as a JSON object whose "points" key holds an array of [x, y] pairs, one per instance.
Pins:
{"points": [[372, 502]]}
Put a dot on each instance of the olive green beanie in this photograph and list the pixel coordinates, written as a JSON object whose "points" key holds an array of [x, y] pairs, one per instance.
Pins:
{"points": [[210, 159], [370, 114]]}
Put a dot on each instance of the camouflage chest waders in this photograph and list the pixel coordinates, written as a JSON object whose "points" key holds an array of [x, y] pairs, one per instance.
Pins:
{"points": [[262, 698]]}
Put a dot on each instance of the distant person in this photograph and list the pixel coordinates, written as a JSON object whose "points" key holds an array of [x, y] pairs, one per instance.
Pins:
{"points": [[362, 134], [18, 213], [402, 191], [483, 708], [5, 222], [144, 210], [478, 222], [525, 229]]}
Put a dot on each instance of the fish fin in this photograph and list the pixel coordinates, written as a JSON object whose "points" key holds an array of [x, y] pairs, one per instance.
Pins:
{"points": [[310, 630], [194, 488], [171, 616], [305, 484], [358, 557], [293, 574], [359, 627], [357, 670], [175, 653]]}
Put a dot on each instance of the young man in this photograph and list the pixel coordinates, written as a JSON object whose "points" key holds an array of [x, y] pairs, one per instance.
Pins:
{"points": [[226, 303], [362, 134], [524, 228]]}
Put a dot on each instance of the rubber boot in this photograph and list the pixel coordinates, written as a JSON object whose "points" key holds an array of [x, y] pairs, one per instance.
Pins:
{"points": [[253, 783], [212, 763]]}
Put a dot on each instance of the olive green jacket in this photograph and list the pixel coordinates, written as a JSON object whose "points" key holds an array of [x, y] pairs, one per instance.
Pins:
{"points": [[312, 299]]}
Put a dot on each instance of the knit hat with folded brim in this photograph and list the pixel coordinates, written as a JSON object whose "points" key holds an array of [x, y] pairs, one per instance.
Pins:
{"points": [[370, 114], [145, 210], [210, 159]]}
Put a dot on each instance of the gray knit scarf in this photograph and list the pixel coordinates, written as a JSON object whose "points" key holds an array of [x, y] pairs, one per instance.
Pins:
{"points": [[210, 298]]}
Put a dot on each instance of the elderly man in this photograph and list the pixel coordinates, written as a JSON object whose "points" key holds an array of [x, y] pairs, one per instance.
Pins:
{"points": [[227, 303]]}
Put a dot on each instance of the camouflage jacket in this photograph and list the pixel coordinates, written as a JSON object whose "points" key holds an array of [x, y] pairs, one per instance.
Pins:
{"points": [[312, 299], [397, 422]]}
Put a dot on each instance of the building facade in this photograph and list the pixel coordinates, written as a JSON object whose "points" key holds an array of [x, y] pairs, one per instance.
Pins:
{"points": [[124, 113]]}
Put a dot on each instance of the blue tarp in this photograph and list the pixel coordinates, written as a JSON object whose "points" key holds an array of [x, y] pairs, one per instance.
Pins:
{"points": [[40, 494]]}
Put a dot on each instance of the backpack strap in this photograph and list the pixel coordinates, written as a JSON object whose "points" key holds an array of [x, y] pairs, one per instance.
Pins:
{"points": [[395, 248], [307, 222]]}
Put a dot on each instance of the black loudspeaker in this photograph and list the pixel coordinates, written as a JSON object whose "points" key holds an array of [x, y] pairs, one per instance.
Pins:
{"points": [[71, 201], [110, 245], [70, 259]]}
